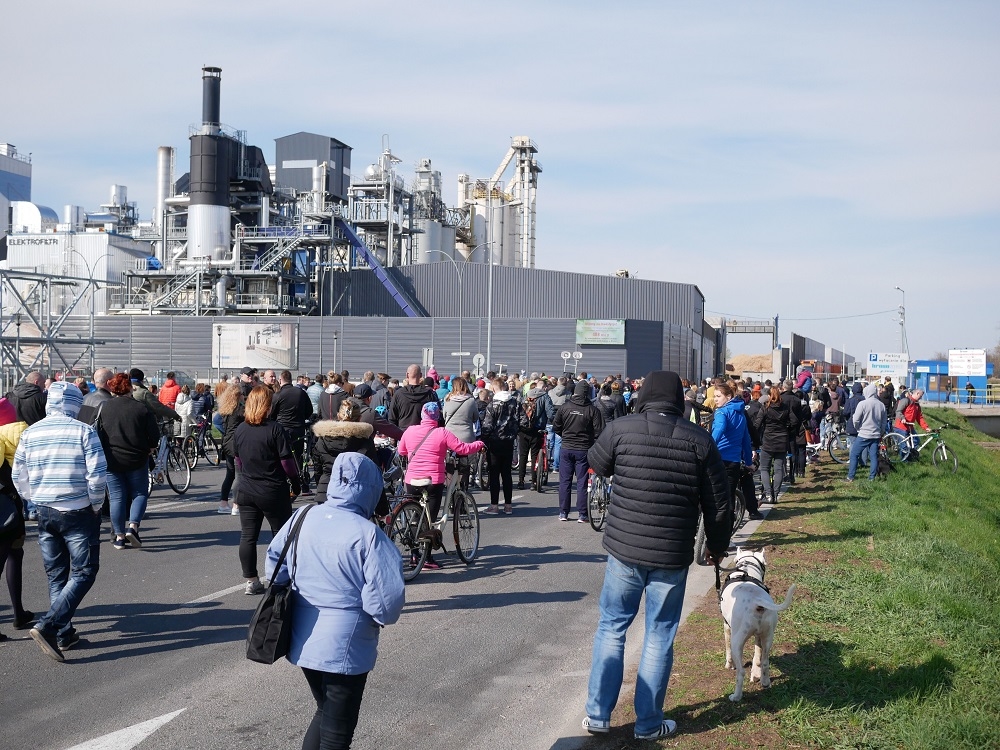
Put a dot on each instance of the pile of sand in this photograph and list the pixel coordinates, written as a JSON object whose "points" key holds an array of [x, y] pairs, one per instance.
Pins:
{"points": [[749, 363]]}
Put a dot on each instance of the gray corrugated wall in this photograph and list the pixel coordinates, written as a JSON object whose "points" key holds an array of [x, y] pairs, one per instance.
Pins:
{"points": [[521, 293], [390, 344]]}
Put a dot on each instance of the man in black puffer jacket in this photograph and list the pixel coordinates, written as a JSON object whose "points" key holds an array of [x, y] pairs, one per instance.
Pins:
{"points": [[667, 472]]}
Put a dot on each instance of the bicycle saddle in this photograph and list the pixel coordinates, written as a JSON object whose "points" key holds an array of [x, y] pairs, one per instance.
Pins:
{"points": [[420, 482]]}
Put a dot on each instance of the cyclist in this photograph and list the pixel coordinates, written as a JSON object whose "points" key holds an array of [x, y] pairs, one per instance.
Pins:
{"points": [[427, 447], [910, 415]]}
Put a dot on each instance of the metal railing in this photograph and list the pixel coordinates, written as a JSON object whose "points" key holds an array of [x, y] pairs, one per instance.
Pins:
{"points": [[988, 397]]}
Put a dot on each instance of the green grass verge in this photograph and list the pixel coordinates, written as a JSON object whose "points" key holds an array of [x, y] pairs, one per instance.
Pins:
{"points": [[902, 632], [893, 639]]}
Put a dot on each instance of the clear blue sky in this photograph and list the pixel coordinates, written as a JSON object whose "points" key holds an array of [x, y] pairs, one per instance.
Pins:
{"points": [[797, 159]]}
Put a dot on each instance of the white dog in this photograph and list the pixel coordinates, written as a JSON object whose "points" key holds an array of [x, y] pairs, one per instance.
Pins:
{"points": [[748, 610]]}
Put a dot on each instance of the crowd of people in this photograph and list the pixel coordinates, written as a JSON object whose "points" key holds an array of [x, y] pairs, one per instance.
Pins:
{"points": [[64, 450]]}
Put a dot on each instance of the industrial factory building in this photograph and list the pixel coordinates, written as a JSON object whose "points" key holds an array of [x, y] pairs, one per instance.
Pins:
{"points": [[306, 266]]}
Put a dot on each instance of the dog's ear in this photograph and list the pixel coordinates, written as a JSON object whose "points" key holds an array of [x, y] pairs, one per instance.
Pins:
{"points": [[760, 556]]}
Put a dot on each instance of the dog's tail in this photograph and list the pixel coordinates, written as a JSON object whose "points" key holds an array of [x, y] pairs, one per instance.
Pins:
{"points": [[784, 605]]}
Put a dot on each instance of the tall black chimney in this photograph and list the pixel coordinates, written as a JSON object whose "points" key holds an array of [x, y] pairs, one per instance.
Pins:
{"points": [[211, 83]]}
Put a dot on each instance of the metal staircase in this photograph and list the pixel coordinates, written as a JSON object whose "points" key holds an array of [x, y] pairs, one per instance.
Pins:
{"points": [[407, 304]]}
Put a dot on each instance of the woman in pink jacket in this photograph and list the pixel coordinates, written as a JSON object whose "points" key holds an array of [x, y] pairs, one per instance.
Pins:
{"points": [[427, 445]]}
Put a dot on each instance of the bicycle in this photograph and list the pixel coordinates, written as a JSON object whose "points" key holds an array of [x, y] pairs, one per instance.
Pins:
{"points": [[540, 469], [700, 540], [900, 448], [598, 498], [414, 532], [202, 443], [171, 465]]}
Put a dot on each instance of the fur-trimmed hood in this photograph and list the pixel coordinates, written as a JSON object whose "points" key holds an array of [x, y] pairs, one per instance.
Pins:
{"points": [[336, 428]]}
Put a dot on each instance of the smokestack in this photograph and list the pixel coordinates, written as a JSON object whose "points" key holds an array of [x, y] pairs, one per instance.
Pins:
{"points": [[211, 86], [211, 154]]}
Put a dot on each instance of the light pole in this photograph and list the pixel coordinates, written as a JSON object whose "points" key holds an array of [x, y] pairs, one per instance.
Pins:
{"points": [[90, 273], [218, 332], [902, 323], [334, 351], [461, 300]]}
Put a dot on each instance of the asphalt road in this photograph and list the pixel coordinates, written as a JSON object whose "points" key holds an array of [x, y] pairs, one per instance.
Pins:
{"points": [[495, 655]]}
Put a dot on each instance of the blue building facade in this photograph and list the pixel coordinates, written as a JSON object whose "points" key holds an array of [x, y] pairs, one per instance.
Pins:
{"points": [[932, 375]]}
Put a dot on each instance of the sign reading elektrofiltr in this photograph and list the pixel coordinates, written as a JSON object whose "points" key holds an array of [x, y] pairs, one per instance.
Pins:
{"points": [[610, 332]]}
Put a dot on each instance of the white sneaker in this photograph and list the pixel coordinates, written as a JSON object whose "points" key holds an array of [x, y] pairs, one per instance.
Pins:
{"points": [[596, 726], [223, 510], [254, 587], [667, 727], [236, 510]]}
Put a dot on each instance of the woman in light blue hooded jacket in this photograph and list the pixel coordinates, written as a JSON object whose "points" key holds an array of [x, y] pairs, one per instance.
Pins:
{"points": [[348, 584]]}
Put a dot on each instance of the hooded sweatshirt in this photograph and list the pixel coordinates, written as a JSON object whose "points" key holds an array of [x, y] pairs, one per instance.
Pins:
{"points": [[869, 416], [29, 401], [461, 417], [427, 445], [578, 421], [852, 403], [59, 461], [168, 393], [667, 472], [730, 432], [348, 574], [404, 411]]}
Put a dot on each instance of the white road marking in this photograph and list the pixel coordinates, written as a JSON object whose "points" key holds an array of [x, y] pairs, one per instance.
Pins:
{"points": [[125, 739], [217, 594]]}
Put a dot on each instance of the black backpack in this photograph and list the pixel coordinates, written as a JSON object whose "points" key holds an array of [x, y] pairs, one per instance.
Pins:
{"points": [[506, 423]]}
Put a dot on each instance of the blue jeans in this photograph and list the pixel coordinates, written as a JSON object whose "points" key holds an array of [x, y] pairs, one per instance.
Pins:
{"points": [[573, 461], [127, 493], [555, 444], [859, 446], [71, 544], [624, 585]]}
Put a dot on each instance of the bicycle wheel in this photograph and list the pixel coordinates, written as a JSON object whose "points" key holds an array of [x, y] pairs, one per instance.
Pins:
{"points": [[893, 444], [536, 475], [840, 449], [944, 458], [190, 448], [482, 472], [405, 526], [177, 470], [700, 547], [597, 502], [739, 511], [465, 524], [213, 450]]}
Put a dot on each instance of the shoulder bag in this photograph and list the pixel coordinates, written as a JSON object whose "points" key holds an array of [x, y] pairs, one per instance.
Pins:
{"points": [[271, 626]]}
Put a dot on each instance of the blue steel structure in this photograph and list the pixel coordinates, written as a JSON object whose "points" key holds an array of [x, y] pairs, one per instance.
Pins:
{"points": [[407, 304]]}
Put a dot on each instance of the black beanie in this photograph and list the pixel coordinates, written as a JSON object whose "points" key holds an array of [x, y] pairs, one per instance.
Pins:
{"points": [[661, 387]]}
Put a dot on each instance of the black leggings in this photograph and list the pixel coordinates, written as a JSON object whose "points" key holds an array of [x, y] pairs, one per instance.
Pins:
{"points": [[338, 703], [499, 457], [527, 444], [11, 560], [435, 493], [253, 511], [227, 483]]}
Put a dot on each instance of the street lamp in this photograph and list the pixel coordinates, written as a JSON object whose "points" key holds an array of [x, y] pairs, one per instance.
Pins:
{"points": [[902, 323], [218, 332], [334, 351], [92, 285], [461, 300]]}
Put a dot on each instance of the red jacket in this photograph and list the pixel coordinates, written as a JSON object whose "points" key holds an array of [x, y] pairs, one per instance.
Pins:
{"points": [[913, 414], [168, 392]]}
